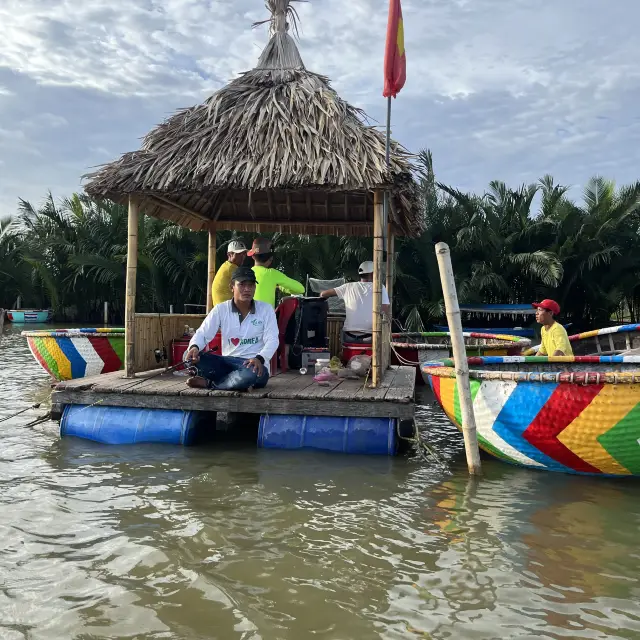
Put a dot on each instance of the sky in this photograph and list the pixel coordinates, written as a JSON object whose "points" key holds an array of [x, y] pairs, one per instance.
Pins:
{"points": [[497, 89]]}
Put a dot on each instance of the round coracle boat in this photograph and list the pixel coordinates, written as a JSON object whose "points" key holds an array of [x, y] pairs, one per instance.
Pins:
{"points": [[411, 344], [66, 354], [620, 340], [573, 414], [411, 349]]}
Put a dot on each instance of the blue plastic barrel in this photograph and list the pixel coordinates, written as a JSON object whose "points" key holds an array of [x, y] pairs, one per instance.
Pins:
{"points": [[328, 433], [127, 425]]}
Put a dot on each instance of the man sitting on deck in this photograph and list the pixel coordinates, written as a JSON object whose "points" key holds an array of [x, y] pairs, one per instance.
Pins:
{"points": [[555, 341], [249, 340], [270, 279], [221, 288], [358, 302]]}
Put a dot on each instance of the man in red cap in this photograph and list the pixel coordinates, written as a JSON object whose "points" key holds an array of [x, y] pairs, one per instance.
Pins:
{"points": [[555, 341]]}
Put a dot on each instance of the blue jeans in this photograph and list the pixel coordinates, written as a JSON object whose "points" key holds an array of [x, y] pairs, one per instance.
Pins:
{"points": [[229, 374]]}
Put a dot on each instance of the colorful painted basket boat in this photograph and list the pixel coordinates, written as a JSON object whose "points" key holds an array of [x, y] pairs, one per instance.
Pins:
{"points": [[411, 349], [606, 342], [22, 316], [76, 353], [573, 414]]}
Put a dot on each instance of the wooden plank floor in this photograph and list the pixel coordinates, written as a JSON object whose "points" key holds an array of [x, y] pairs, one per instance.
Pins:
{"points": [[288, 393]]}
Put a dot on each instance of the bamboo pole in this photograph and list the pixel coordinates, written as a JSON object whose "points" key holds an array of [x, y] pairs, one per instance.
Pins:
{"points": [[130, 300], [377, 371], [391, 268], [211, 272], [460, 358]]}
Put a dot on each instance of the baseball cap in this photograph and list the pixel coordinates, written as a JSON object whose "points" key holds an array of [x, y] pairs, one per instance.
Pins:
{"points": [[365, 268], [549, 305], [235, 246], [261, 245], [243, 274]]}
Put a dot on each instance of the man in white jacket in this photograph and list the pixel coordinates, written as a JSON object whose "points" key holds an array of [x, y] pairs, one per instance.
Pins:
{"points": [[249, 340]]}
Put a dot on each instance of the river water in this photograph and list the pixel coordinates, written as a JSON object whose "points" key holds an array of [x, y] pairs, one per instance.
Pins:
{"points": [[232, 542]]}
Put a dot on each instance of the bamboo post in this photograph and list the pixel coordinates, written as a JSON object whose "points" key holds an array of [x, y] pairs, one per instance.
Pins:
{"points": [[391, 268], [377, 371], [211, 272], [130, 300], [170, 309], [460, 358], [105, 313]]}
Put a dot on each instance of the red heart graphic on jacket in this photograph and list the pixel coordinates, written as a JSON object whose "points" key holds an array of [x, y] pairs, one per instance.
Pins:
{"points": [[235, 341]]}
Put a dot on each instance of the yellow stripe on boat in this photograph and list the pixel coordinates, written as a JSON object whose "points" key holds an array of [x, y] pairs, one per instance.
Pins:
{"points": [[606, 409], [447, 397], [64, 366]]}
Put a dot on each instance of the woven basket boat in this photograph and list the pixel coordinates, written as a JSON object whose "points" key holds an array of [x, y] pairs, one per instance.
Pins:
{"points": [[66, 354], [603, 342], [573, 414], [414, 348]]}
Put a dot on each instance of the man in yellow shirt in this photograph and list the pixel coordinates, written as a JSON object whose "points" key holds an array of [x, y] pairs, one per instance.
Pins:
{"points": [[555, 341], [221, 288], [270, 279]]}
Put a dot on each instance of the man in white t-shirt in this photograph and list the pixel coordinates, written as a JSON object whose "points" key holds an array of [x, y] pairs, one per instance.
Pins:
{"points": [[249, 339], [358, 302]]}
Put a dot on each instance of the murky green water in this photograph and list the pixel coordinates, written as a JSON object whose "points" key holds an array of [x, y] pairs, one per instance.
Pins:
{"points": [[162, 542]]}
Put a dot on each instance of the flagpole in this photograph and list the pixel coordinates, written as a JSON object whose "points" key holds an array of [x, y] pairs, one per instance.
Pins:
{"points": [[387, 154]]}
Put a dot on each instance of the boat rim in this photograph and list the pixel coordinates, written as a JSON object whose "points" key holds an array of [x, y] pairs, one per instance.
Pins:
{"points": [[499, 340], [446, 369], [75, 333]]}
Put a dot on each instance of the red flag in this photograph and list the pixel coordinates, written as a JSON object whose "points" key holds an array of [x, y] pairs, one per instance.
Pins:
{"points": [[395, 61]]}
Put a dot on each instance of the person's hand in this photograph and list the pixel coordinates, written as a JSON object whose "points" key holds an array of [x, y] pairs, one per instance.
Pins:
{"points": [[255, 364], [193, 355]]}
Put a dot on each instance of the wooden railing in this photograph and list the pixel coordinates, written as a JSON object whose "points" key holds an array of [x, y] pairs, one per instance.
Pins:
{"points": [[155, 331]]}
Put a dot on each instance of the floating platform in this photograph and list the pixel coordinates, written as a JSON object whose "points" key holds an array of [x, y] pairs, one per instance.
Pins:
{"points": [[350, 409]]}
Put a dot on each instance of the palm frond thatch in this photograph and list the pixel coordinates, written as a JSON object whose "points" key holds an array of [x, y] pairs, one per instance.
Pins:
{"points": [[276, 145]]}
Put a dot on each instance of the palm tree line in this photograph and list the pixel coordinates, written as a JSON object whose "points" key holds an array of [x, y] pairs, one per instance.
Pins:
{"points": [[509, 245]]}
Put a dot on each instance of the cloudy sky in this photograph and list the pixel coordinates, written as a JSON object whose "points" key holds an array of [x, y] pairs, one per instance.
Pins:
{"points": [[498, 89]]}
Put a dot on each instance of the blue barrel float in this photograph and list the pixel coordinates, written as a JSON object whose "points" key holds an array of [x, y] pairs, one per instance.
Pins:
{"points": [[328, 433], [128, 425]]}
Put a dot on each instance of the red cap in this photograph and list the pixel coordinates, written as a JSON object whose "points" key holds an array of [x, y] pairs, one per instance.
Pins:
{"points": [[549, 305], [260, 245]]}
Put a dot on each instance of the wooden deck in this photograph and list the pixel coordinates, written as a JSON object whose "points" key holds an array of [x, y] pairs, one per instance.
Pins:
{"points": [[288, 393]]}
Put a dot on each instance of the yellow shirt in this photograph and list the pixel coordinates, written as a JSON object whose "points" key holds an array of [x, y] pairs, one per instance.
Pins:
{"points": [[271, 279], [555, 339], [221, 288]]}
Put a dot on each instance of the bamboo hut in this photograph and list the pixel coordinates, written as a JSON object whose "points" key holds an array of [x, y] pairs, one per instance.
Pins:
{"points": [[276, 149]]}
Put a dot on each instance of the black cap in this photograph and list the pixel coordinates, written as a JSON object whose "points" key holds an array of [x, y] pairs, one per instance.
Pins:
{"points": [[243, 274]]}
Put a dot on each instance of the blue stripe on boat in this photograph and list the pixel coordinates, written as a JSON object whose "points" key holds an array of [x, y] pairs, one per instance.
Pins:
{"points": [[523, 405], [78, 363]]}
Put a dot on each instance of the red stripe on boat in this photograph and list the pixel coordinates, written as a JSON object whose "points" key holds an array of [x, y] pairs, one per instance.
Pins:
{"points": [[105, 351], [565, 404], [435, 381]]}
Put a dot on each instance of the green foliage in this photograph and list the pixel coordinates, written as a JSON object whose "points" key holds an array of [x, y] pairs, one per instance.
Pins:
{"points": [[508, 246]]}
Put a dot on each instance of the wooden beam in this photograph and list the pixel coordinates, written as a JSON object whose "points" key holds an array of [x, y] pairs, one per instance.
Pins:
{"points": [[175, 205], [377, 371], [130, 299], [391, 267], [211, 266], [241, 403], [272, 211], [288, 196]]}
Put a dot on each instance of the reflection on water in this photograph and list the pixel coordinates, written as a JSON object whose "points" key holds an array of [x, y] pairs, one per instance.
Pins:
{"points": [[234, 542]]}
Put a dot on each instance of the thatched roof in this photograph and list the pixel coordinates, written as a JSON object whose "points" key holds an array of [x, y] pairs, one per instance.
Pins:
{"points": [[276, 149]]}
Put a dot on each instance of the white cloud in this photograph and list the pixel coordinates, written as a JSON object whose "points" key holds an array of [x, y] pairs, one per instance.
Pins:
{"points": [[508, 90]]}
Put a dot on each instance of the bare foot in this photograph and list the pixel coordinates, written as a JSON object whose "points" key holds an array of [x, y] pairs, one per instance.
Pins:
{"points": [[197, 382]]}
